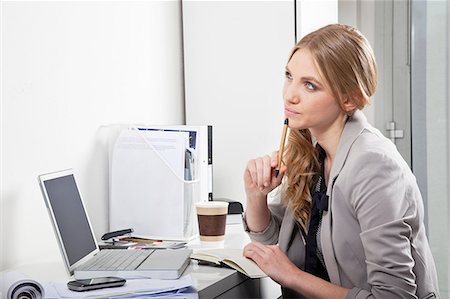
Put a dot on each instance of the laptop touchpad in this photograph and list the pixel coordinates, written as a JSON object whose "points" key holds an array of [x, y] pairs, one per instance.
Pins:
{"points": [[167, 263]]}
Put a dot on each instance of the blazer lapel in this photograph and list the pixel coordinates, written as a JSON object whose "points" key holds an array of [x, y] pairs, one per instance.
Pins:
{"points": [[327, 248], [353, 128], [286, 229]]}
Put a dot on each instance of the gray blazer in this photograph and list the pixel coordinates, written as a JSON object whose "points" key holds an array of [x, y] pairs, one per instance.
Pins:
{"points": [[373, 237]]}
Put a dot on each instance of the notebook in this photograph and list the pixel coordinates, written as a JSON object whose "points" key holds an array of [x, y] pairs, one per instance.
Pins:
{"points": [[78, 245]]}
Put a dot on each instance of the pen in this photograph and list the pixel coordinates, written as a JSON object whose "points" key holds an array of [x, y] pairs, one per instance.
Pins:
{"points": [[139, 240], [280, 152]]}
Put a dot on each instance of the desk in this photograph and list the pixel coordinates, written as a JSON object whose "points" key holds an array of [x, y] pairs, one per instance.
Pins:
{"points": [[210, 282], [216, 282]]}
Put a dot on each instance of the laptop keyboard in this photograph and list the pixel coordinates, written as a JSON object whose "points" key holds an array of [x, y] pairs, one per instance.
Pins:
{"points": [[115, 259]]}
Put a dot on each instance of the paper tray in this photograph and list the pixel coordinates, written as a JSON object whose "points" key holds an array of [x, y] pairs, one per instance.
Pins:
{"points": [[148, 193]]}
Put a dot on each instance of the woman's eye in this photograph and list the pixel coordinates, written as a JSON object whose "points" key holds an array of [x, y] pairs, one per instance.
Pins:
{"points": [[288, 75], [310, 86]]}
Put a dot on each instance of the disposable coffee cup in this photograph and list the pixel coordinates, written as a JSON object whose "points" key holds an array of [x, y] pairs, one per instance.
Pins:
{"points": [[212, 218]]}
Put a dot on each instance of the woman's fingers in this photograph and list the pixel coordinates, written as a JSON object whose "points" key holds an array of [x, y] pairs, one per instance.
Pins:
{"points": [[274, 159], [254, 252], [260, 171], [267, 171], [282, 171], [281, 168], [259, 176], [257, 251], [272, 260], [252, 171], [267, 257]]}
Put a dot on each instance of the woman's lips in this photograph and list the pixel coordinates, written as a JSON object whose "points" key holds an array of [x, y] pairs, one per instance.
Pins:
{"points": [[290, 112]]}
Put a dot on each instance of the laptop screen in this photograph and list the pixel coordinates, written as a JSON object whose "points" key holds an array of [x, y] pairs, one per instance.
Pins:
{"points": [[71, 219]]}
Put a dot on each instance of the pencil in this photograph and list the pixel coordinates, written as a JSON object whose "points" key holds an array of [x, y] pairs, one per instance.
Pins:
{"points": [[280, 152]]}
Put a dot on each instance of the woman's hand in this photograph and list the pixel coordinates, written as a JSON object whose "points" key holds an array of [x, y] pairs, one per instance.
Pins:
{"points": [[260, 176], [273, 261]]}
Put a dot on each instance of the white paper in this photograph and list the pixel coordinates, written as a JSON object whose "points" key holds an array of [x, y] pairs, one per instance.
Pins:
{"points": [[170, 146], [201, 170], [134, 288], [147, 184], [13, 284]]}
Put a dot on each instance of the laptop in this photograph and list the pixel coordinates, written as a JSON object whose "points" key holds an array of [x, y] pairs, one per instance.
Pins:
{"points": [[79, 248]]}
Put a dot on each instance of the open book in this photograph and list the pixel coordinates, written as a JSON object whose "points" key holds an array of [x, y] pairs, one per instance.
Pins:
{"points": [[232, 258]]}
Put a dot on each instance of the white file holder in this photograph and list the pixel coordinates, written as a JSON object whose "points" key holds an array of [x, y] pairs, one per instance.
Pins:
{"points": [[148, 192]]}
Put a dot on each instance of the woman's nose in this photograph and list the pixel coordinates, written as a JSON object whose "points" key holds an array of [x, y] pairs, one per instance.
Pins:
{"points": [[291, 95]]}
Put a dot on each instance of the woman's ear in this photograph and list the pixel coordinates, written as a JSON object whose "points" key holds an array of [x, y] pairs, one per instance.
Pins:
{"points": [[350, 105]]}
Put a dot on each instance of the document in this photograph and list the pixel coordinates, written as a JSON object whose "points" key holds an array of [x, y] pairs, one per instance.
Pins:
{"points": [[157, 173], [232, 258], [133, 288], [191, 146], [148, 189], [200, 152], [171, 148]]}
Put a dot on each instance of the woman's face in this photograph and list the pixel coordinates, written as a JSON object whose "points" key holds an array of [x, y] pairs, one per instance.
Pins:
{"points": [[308, 104]]}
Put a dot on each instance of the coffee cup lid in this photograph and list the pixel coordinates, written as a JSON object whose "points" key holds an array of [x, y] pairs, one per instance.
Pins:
{"points": [[212, 204]]}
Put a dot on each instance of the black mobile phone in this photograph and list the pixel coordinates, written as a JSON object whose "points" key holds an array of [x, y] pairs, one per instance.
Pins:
{"points": [[95, 283]]}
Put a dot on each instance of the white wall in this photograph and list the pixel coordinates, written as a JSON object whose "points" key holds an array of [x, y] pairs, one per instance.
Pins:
{"points": [[235, 54], [68, 68], [314, 14], [361, 14], [437, 137]]}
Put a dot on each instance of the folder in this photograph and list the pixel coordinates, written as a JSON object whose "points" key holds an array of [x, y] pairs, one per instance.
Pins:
{"points": [[157, 173]]}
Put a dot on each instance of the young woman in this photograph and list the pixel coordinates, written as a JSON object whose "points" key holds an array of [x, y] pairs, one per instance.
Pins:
{"points": [[346, 219]]}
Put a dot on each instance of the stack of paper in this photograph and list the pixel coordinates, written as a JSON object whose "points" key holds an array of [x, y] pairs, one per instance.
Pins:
{"points": [[134, 288], [156, 176], [147, 184]]}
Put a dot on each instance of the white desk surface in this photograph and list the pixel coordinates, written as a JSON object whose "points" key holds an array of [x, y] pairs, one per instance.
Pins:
{"points": [[202, 276]]}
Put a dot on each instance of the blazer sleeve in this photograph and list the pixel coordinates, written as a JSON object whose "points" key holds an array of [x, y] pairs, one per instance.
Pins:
{"points": [[270, 234], [386, 202]]}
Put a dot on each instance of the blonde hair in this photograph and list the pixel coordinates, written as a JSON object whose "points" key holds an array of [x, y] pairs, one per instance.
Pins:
{"points": [[347, 66]]}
